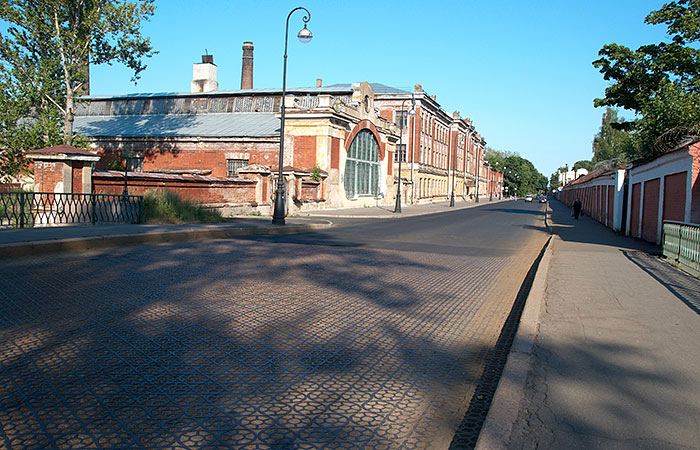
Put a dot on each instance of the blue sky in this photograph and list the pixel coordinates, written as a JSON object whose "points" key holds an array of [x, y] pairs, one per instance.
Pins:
{"points": [[521, 70]]}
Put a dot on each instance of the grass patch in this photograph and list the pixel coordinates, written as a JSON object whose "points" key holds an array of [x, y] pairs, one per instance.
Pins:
{"points": [[161, 206], [15, 204]]}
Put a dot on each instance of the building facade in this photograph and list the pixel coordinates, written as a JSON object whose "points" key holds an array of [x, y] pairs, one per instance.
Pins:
{"points": [[345, 139], [441, 154]]}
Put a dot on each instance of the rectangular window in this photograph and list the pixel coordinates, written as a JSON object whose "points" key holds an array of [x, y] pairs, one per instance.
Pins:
{"points": [[232, 165], [401, 119], [400, 150]]}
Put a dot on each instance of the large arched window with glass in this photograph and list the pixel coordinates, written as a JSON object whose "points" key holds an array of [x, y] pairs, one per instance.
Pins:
{"points": [[362, 166]]}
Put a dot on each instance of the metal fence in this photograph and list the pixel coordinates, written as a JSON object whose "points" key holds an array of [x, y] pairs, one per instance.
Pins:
{"points": [[35, 209], [681, 242]]}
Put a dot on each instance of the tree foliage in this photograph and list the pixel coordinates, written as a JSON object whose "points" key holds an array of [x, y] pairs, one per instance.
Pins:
{"points": [[519, 174], [583, 164], [659, 82], [554, 181], [612, 142], [45, 53]]}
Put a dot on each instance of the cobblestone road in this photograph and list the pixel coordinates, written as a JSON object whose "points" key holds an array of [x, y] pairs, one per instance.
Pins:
{"points": [[240, 344]]}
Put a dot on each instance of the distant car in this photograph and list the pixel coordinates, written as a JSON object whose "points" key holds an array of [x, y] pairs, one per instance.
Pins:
{"points": [[543, 199], [528, 198]]}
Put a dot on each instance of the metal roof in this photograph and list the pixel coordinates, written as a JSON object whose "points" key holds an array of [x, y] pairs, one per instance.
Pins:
{"points": [[180, 125], [334, 89], [378, 88]]}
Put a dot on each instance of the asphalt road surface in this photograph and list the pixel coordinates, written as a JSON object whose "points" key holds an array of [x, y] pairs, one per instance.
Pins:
{"points": [[367, 335]]}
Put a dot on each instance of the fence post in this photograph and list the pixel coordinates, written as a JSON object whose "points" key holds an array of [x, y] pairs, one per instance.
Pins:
{"points": [[21, 210], [93, 202], [140, 213]]}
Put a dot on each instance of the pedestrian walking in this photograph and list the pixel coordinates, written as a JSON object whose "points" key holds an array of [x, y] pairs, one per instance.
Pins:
{"points": [[577, 208]]}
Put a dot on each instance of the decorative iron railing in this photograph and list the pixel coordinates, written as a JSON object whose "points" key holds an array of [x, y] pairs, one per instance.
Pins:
{"points": [[681, 242], [35, 209]]}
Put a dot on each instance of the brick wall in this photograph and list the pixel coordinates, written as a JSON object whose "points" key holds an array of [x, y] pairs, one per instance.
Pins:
{"points": [[203, 190], [47, 175], [304, 152], [192, 155], [310, 190], [335, 153], [77, 176]]}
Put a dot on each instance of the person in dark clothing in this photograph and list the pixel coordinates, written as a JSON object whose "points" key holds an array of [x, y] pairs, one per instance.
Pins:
{"points": [[577, 208]]}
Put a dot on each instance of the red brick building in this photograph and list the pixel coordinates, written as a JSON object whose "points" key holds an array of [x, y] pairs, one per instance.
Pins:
{"points": [[345, 135]]}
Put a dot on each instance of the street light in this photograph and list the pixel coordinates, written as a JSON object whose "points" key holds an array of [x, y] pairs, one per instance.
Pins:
{"points": [[411, 112], [304, 37], [454, 164]]}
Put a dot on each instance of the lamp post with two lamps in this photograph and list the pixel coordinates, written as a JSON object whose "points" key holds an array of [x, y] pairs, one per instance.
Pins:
{"points": [[402, 152], [304, 37]]}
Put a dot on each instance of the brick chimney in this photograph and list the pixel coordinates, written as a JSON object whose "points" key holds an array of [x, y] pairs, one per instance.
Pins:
{"points": [[319, 82], [204, 75], [247, 66]]}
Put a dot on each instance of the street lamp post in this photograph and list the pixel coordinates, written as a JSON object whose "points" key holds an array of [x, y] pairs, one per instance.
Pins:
{"points": [[454, 164], [411, 112], [304, 37]]}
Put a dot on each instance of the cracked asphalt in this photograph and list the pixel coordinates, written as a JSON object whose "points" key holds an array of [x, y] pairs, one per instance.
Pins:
{"points": [[369, 335]]}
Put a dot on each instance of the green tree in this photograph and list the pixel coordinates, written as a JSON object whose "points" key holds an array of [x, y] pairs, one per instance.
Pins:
{"points": [[584, 164], [612, 142], [45, 53], [659, 82], [554, 181], [519, 174]]}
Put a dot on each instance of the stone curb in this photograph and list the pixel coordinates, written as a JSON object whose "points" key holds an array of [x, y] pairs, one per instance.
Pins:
{"points": [[505, 406], [121, 240]]}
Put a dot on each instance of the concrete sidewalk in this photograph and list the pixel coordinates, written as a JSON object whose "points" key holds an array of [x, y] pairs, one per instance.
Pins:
{"points": [[615, 361]]}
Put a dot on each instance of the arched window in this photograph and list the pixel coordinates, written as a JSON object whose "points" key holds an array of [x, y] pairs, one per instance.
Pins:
{"points": [[362, 166]]}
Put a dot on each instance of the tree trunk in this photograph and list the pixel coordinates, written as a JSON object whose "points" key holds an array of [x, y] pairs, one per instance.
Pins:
{"points": [[68, 118]]}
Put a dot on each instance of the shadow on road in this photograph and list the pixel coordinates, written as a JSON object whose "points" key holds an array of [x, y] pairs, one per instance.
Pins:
{"points": [[238, 344]]}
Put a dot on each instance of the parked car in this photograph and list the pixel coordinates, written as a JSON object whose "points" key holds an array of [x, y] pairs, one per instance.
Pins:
{"points": [[543, 199], [528, 198]]}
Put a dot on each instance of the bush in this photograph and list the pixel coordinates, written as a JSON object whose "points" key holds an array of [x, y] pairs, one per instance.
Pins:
{"points": [[161, 206]]}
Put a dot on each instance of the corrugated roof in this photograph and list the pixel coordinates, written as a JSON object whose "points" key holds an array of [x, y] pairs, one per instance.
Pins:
{"points": [[378, 88], [180, 125], [61, 149], [334, 89]]}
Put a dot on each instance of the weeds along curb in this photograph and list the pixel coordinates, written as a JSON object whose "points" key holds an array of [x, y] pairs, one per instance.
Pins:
{"points": [[123, 240]]}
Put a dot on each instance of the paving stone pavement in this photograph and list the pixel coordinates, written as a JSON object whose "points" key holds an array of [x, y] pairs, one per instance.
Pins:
{"points": [[201, 346]]}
